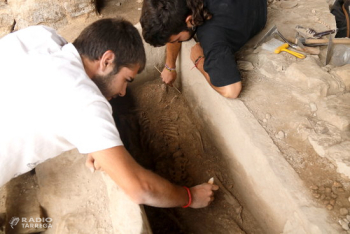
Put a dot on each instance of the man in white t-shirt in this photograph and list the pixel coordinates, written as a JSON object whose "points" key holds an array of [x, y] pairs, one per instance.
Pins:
{"points": [[54, 97]]}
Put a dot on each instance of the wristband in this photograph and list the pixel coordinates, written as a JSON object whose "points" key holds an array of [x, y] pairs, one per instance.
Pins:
{"points": [[197, 61], [169, 68], [189, 197]]}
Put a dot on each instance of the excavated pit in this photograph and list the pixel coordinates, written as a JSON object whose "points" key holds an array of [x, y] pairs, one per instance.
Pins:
{"points": [[159, 130]]}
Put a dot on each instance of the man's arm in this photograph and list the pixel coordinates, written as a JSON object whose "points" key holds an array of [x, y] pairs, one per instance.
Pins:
{"points": [[172, 51], [146, 187], [229, 91]]}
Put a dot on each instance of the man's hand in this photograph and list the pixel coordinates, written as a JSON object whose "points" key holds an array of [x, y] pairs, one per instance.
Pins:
{"points": [[144, 186], [168, 77], [92, 164], [202, 195]]}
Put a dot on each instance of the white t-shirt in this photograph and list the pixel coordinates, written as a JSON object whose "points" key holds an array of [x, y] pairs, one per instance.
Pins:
{"points": [[48, 104]]}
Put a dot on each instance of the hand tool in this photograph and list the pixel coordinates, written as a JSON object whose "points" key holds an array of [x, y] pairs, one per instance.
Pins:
{"points": [[311, 33], [318, 42], [169, 85], [329, 50], [284, 48], [274, 30], [277, 46]]}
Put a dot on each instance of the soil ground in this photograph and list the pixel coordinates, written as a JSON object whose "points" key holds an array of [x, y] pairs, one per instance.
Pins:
{"points": [[182, 152], [158, 128]]}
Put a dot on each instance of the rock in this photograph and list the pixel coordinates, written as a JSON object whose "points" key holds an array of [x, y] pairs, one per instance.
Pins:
{"points": [[313, 107], [340, 154], [309, 76], [344, 224], [332, 202], [288, 4], [164, 87], [52, 13], [343, 73], [343, 211], [280, 135], [245, 65], [337, 184], [7, 21], [79, 7], [329, 207], [318, 146], [336, 111], [340, 190], [271, 65], [23, 210], [314, 187]]}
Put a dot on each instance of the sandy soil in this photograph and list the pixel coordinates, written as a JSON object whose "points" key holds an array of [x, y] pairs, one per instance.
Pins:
{"points": [[181, 151], [158, 129]]}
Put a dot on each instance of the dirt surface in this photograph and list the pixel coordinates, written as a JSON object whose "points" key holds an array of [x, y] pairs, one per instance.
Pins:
{"points": [[269, 104], [158, 128], [169, 141], [289, 113], [128, 9]]}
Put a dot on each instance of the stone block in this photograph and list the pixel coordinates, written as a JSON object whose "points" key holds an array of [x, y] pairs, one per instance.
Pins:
{"points": [[7, 20], [33, 13], [79, 8], [79, 201], [340, 154], [24, 213], [309, 76], [343, 73], [336, 111], [271, 65], [323, 136], [53, 13]]}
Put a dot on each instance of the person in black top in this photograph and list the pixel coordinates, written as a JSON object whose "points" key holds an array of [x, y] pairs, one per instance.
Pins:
{"points": [[222, 28]]}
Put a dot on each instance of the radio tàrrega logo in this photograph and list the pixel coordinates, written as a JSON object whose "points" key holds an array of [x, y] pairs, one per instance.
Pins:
{"points": [[14, 221]]}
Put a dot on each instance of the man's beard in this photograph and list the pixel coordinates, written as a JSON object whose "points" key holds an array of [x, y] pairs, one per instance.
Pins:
{"points": [[104, 83]]}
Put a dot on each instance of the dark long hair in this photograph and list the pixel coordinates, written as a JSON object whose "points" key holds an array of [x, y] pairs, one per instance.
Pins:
{"points": [[162, 18], [117, 35]]}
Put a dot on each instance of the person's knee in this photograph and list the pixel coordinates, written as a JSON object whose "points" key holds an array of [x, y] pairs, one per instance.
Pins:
{"points": [[231, 91]]}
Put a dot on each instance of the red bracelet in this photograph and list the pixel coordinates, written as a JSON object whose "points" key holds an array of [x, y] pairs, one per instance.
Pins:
{"points": [[189, 197], [197, 61]]}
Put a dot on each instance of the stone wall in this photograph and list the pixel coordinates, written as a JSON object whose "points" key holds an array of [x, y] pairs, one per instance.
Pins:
{"points": [[17, 14]]}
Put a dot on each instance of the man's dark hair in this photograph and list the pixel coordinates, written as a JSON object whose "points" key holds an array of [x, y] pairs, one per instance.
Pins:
{"points": [[162, 18], [117, 35]]}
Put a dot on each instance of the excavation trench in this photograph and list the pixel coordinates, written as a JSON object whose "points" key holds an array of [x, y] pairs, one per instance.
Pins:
{"points": [[160, 131]]}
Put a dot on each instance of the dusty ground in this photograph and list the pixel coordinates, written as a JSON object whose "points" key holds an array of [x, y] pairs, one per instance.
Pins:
{"points": [[158, 128], [178, 144], [290, 112]]}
